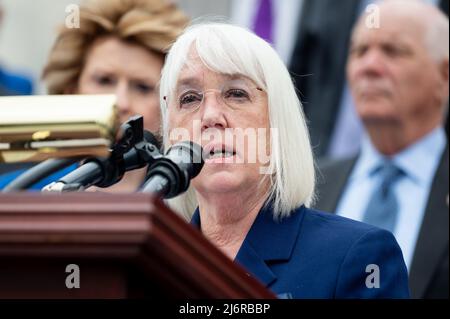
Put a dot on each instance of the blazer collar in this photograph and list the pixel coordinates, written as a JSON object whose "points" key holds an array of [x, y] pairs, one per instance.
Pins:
{"points": [[267, 240]]}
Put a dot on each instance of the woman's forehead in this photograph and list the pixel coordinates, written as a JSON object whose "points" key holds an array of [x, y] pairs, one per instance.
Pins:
{"points": [[197, 71], [200, 74]]}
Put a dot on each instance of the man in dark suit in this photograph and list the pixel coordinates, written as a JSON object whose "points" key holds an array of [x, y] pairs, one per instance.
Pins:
{"points": [[399, 75], [318, 68]]}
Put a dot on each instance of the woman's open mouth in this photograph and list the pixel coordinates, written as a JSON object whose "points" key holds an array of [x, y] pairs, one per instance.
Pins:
{"points": [[219, 154]]}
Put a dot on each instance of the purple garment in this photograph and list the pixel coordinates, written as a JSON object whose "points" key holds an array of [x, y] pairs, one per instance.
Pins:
{"points": [[263, 21]]}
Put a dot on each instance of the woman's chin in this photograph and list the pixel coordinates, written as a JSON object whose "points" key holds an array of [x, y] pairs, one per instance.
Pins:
{"points": [[219, 182]]}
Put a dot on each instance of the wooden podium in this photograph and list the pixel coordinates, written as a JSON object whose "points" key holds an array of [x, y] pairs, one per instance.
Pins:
{"points": [[125, 246]]}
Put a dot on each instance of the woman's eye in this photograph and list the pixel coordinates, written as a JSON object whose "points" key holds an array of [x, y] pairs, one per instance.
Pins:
{"points": [[144, 88], [104, 80], [236, 94], [190, 99]]}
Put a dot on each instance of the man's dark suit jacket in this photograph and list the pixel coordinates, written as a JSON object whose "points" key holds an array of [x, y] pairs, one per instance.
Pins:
{"points": [[311, 254], [319, 61], [428, 276]]}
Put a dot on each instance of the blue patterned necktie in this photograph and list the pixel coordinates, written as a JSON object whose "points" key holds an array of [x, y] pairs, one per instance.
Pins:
{"points": [[263, 20], [382, 209]]}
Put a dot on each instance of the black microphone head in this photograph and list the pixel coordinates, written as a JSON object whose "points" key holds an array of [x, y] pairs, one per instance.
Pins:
{"points": [[189, 157], [182, 162]]}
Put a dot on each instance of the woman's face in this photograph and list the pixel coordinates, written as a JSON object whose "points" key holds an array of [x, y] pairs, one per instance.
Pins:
{"points": [[228, 116], [130, 72]]}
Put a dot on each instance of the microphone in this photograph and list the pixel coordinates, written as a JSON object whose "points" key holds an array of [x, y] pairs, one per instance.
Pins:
{"points": [[136, 157], [83, 177], [38, 172], [104, 172], [170, 175]]}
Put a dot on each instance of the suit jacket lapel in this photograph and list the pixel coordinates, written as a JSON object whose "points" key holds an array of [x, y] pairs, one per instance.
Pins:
{"points": [[444, 6], [433, 237], [331, 183]]}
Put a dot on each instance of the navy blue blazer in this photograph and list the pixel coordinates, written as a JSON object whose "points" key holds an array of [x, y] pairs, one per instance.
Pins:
{"points": [[312, 254]]}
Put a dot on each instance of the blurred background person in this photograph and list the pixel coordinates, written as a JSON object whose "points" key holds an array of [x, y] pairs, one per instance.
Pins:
{"points": [[318, 68], [12, 83], [399, 76], [118, 49]]}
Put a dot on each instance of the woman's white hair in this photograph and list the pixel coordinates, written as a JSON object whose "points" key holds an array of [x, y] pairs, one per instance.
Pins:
{"points": [[234, 50]]}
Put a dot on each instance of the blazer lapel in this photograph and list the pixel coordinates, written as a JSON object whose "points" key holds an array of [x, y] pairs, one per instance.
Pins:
{"points": [[255, 264], [433, 236], [269, 240]]}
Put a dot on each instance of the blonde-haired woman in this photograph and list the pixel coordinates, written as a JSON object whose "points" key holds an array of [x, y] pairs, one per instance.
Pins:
{"points": [[119, 48]]}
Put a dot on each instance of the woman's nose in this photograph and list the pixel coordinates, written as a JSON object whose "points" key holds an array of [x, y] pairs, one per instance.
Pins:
{"points": [[123, 97], [213, 111]]}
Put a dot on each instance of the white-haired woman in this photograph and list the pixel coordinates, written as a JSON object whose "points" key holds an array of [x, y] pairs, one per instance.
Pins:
{"points": [[226, 89]]}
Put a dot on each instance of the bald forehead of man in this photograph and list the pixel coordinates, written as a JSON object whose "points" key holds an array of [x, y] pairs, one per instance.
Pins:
{"points": [[421, 20]]}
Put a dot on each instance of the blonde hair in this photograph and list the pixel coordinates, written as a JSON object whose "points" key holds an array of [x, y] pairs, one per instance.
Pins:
{"points": [[229, 49], [153, 24]]}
